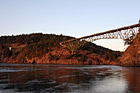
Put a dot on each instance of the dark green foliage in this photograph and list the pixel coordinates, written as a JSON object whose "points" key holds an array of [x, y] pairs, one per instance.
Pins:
{"points": [[103, 52], [36, 44], [82, 58], [1, 47], [51, 39], [34, 50], [53, 57], [74, 55]]}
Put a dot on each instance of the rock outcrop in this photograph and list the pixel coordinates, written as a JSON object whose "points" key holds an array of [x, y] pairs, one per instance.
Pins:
{"points": [[131, 57]]}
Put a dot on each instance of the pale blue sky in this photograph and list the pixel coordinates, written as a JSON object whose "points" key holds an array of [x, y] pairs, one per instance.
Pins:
{"points": [[68, 17]]}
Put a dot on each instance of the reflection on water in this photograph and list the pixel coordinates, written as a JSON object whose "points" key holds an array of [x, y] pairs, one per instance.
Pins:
{"points": [[132, 76], [63, 78]]}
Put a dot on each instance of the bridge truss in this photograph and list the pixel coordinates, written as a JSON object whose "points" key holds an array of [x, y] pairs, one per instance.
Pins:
{"points": [[127, 33]]}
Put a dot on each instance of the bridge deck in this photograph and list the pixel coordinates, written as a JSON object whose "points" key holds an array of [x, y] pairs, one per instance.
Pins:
{"points": [[110, 31]]}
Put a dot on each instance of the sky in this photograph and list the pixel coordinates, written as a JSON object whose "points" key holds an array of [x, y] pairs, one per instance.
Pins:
{"points": [[75, 18]]}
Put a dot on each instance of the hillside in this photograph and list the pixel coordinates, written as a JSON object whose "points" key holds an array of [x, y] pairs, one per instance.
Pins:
{"points": [[131, 57], [44, 48]]}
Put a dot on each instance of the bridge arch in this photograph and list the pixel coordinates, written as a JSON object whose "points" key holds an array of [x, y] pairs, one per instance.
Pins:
{"points": [[127, 34]]}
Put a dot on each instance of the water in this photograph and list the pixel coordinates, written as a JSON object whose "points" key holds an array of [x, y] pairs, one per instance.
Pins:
{"points": [[26, 78]]}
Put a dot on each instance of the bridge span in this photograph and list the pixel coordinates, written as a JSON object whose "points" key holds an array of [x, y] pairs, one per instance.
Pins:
{"points": [[127, 33]]}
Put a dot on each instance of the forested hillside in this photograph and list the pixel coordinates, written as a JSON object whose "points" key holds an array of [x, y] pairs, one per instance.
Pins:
{"points": [[45, 48]]}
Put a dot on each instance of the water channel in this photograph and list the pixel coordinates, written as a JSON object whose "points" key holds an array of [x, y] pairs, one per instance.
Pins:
{"points": [[43, 78]]}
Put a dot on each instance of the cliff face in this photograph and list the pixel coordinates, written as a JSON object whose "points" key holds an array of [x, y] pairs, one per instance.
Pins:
{"points": [[131, 57]]}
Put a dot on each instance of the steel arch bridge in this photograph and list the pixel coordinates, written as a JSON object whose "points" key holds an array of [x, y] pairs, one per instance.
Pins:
{"points": [[127, 33]]}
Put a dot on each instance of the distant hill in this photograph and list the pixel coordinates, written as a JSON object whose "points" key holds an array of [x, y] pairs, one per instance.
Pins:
{"points": [[44, 48]]}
